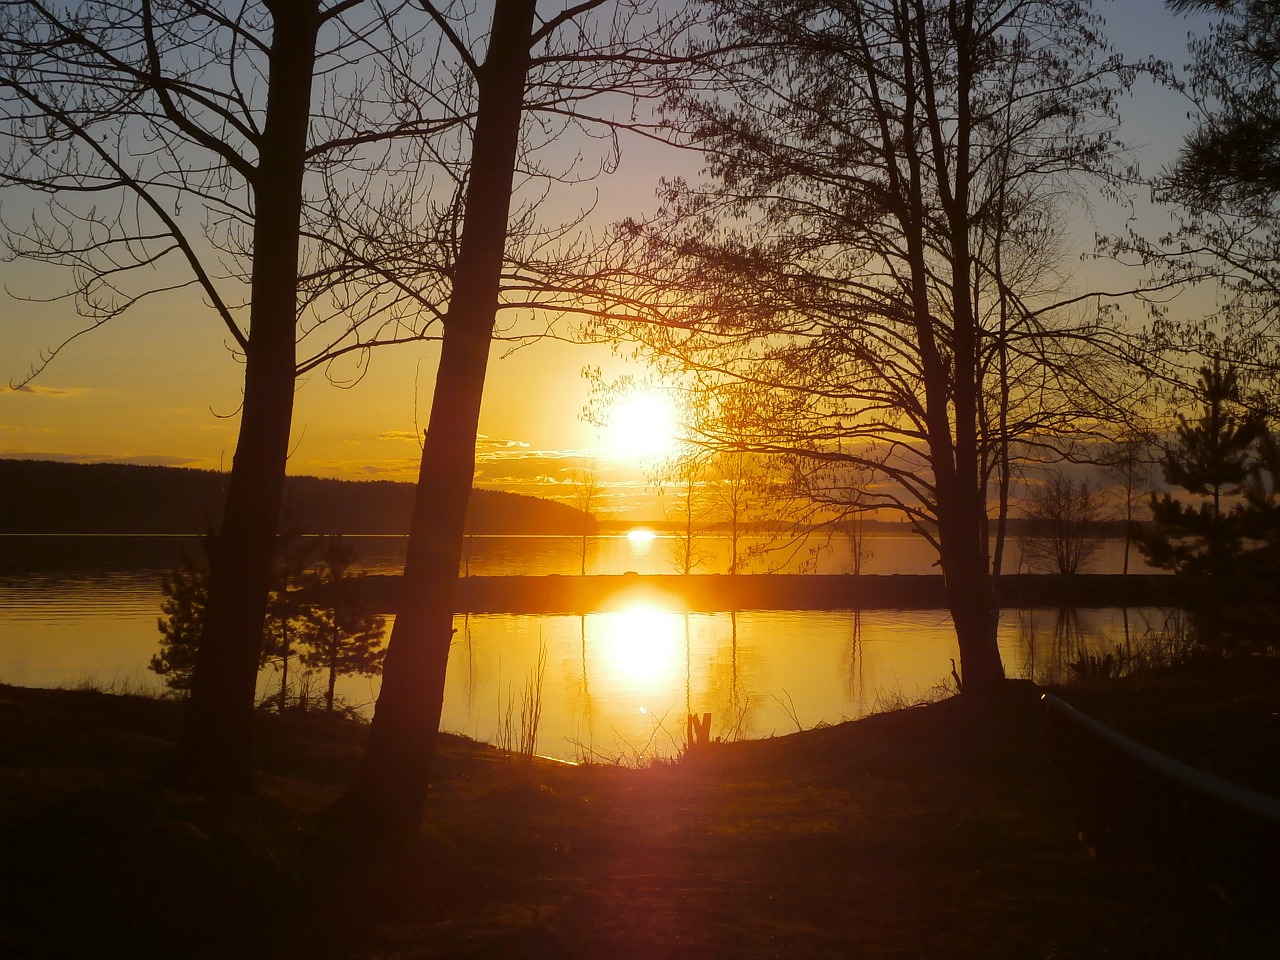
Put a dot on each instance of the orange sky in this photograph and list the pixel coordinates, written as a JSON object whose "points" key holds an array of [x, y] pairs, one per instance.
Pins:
{"points": [[159, 386]]}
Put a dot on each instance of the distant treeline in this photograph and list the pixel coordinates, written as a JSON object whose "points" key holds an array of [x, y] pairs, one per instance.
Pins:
{"points": [[38, 496]]}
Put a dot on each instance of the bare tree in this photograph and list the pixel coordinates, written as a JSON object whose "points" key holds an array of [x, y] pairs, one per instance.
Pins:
{"points": [[874, 253], [537, 79], [686, 474], [736, 487], [1061, 519], [1130, 463], [190, 144], [586, 491]]}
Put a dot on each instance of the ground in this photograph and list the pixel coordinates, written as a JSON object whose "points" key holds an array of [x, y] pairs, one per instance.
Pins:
{"points": [[937, 831]]}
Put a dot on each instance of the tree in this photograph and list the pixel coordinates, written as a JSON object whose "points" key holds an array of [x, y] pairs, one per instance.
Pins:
{"points": [[1232, 158], [290, 612], [734, 487], [873, 253], [586, 491], [1212, 456], [342, 638], [1129, 463], [181, 620], [1221, 455], [574, 64], [319, 612], [1224, 187], [1061, 516], [188, 144], [686, 472]]}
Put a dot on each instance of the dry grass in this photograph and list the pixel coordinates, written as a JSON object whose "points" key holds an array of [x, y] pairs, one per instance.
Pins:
{"points": [[520, 743]]}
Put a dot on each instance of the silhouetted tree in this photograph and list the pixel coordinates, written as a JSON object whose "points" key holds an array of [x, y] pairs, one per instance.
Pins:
{"points": [[183, 610], [1220, 455], [180, 623], [687, 476], [1232, 158], [550, 72], [1223, 189], [342, 637], [1211, 459], [874, 253], [189, 143], [735, 486], [586, 492], [1061, 517], [290, 611], [1129, 461]]}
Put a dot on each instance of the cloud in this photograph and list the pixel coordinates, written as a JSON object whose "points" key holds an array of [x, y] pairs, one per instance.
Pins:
{"points": [[395, 469], [492, 448], [397, 435], [35, 390], [158, 461]]}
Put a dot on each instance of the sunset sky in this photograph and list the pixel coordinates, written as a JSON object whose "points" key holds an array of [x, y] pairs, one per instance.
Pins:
{"points": [[159, 386]]}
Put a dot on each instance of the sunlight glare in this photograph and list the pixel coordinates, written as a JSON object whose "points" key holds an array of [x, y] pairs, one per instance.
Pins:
{"points": [[641, 535], [644, 645], [642, 426]]}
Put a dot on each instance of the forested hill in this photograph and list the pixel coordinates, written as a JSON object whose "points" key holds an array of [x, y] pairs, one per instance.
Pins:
{"points": [[39, 496]]}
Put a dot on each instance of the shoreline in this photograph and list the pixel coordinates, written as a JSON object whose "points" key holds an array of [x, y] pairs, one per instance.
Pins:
{"points": [[717, 593]]}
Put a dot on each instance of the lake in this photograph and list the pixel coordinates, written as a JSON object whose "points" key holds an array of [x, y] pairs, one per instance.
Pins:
{"points": [[616, 685]]}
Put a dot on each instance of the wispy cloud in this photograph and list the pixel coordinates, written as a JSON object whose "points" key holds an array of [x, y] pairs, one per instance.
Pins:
{"points": [[392, 469], [396, 435], [493, 448], [36, 390]]}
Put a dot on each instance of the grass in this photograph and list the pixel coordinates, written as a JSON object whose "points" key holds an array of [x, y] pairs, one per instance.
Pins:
{"points": [[933, 831], [521, 743]]}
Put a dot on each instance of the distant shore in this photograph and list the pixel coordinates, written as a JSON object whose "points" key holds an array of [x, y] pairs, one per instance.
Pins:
{"points": [[722, 592]]}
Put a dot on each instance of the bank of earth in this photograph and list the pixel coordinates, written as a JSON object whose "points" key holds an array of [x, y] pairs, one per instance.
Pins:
{"points": [[932, 831]]}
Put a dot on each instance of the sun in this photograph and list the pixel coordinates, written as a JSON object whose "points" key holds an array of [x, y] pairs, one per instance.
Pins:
{"points": [[643, 646], [642, 426]]}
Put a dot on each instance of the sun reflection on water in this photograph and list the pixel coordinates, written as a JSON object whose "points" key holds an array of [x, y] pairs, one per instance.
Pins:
{"points": [[642, 646]]}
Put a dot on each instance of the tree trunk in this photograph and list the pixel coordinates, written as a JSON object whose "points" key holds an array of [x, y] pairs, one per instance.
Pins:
{"points": [[391, 786], [284, 672], [214, 751], [970, 598], [962, 508], [333, 678]]}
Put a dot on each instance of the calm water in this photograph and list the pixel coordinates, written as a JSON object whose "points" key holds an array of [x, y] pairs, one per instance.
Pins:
{"points": [[616, 685]]}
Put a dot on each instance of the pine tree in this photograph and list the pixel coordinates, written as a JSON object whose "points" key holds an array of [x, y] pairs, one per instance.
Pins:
{"points": [[342, 638], [1218, 456], [183, 612], [185, 591], [290, 611]]}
